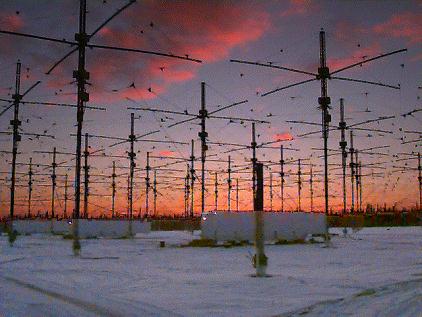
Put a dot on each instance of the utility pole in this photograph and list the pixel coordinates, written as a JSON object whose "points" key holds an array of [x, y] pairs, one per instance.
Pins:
{"points": [[81, 76], [281, 178], [128, 195], [53, 183], [65, 198], [352, 173], [229, 186], [237, 194], [271, 191], [324, 102], [16, 139], [254, 160], [113, 190], [30, 173], [216, 192], [131, 155], [311, 189], [357, 180], [299, 185], [155, 192], [203, 135], [343, 144], [192, 175], [86, 178]]}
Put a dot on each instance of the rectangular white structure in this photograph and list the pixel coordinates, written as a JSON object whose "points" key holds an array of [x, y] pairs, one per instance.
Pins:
{"points": [[87, 228], [240, 226]]}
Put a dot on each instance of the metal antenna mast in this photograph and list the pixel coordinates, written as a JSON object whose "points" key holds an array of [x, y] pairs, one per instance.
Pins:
{"points": [[281, 178], [352, 172], [65, 197], [155, 192], [271, 191], [343, 144], [147, 185], [16, 138], [229, 185], [311, 189], [324, 101], [187, 178], [360, 186], [254, 161], [203, 135], [237, 194], [30, 173], [53, 182], [192, 175], [131, 155], [216, 192], [299, 185], [357, 180], [86, 178], [113, 190]]}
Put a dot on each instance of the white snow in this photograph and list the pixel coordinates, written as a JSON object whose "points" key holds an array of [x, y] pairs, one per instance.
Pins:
{"points": [[40, 277]]}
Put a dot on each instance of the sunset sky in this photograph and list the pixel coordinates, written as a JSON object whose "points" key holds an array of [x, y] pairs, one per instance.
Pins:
{"points": [[281, 32]]}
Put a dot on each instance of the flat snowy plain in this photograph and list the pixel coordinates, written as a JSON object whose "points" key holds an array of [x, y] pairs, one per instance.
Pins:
{"points": [[371, 272]]}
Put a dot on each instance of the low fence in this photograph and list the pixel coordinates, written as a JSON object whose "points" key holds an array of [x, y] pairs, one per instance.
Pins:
{"points": [[87, 228], [227, 226]]}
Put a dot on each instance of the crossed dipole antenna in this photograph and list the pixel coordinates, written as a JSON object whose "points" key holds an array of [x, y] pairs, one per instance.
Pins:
{"points": [[323, 75], [203, 115], [81, 75]]}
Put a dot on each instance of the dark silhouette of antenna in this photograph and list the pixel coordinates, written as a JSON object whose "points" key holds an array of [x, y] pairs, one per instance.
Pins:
{"points": [[343, 145], [229, 184], [216, 192], [299, 185], [237, 194], [147, 185], [30, 173], [86, 177], [282, 178], [81, 76], [65, 197], [155, 192], [311, 189], [324, 101], [192, 178]]}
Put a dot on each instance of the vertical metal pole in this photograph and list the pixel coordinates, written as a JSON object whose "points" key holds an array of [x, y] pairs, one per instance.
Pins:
{"points": [[420, 180], [253, 145], [229, 185], [282, 178], [113, 190], [187, 191], [343, 144], [86, 176], [147, 186], [16, 139], [311, 188], [203, 135], [260, 259], [192, 175], [299, 185], [53, 183], [65, 198], [132, 155], [216, 192], [360, 186], [271, 191], [81, 76], [155, 193], [352, 173], [357, 180], [324, 102], [30, 173], [237, 194]]}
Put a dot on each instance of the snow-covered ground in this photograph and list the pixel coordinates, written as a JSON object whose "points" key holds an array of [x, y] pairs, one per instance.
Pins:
{"points": [[372, 272]]}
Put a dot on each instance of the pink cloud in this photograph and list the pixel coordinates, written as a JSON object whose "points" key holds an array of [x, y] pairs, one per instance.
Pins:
{"points": [[166, 153], [284, 136], [299, 7], [406, 25], [11, 22], [358, 55]]}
